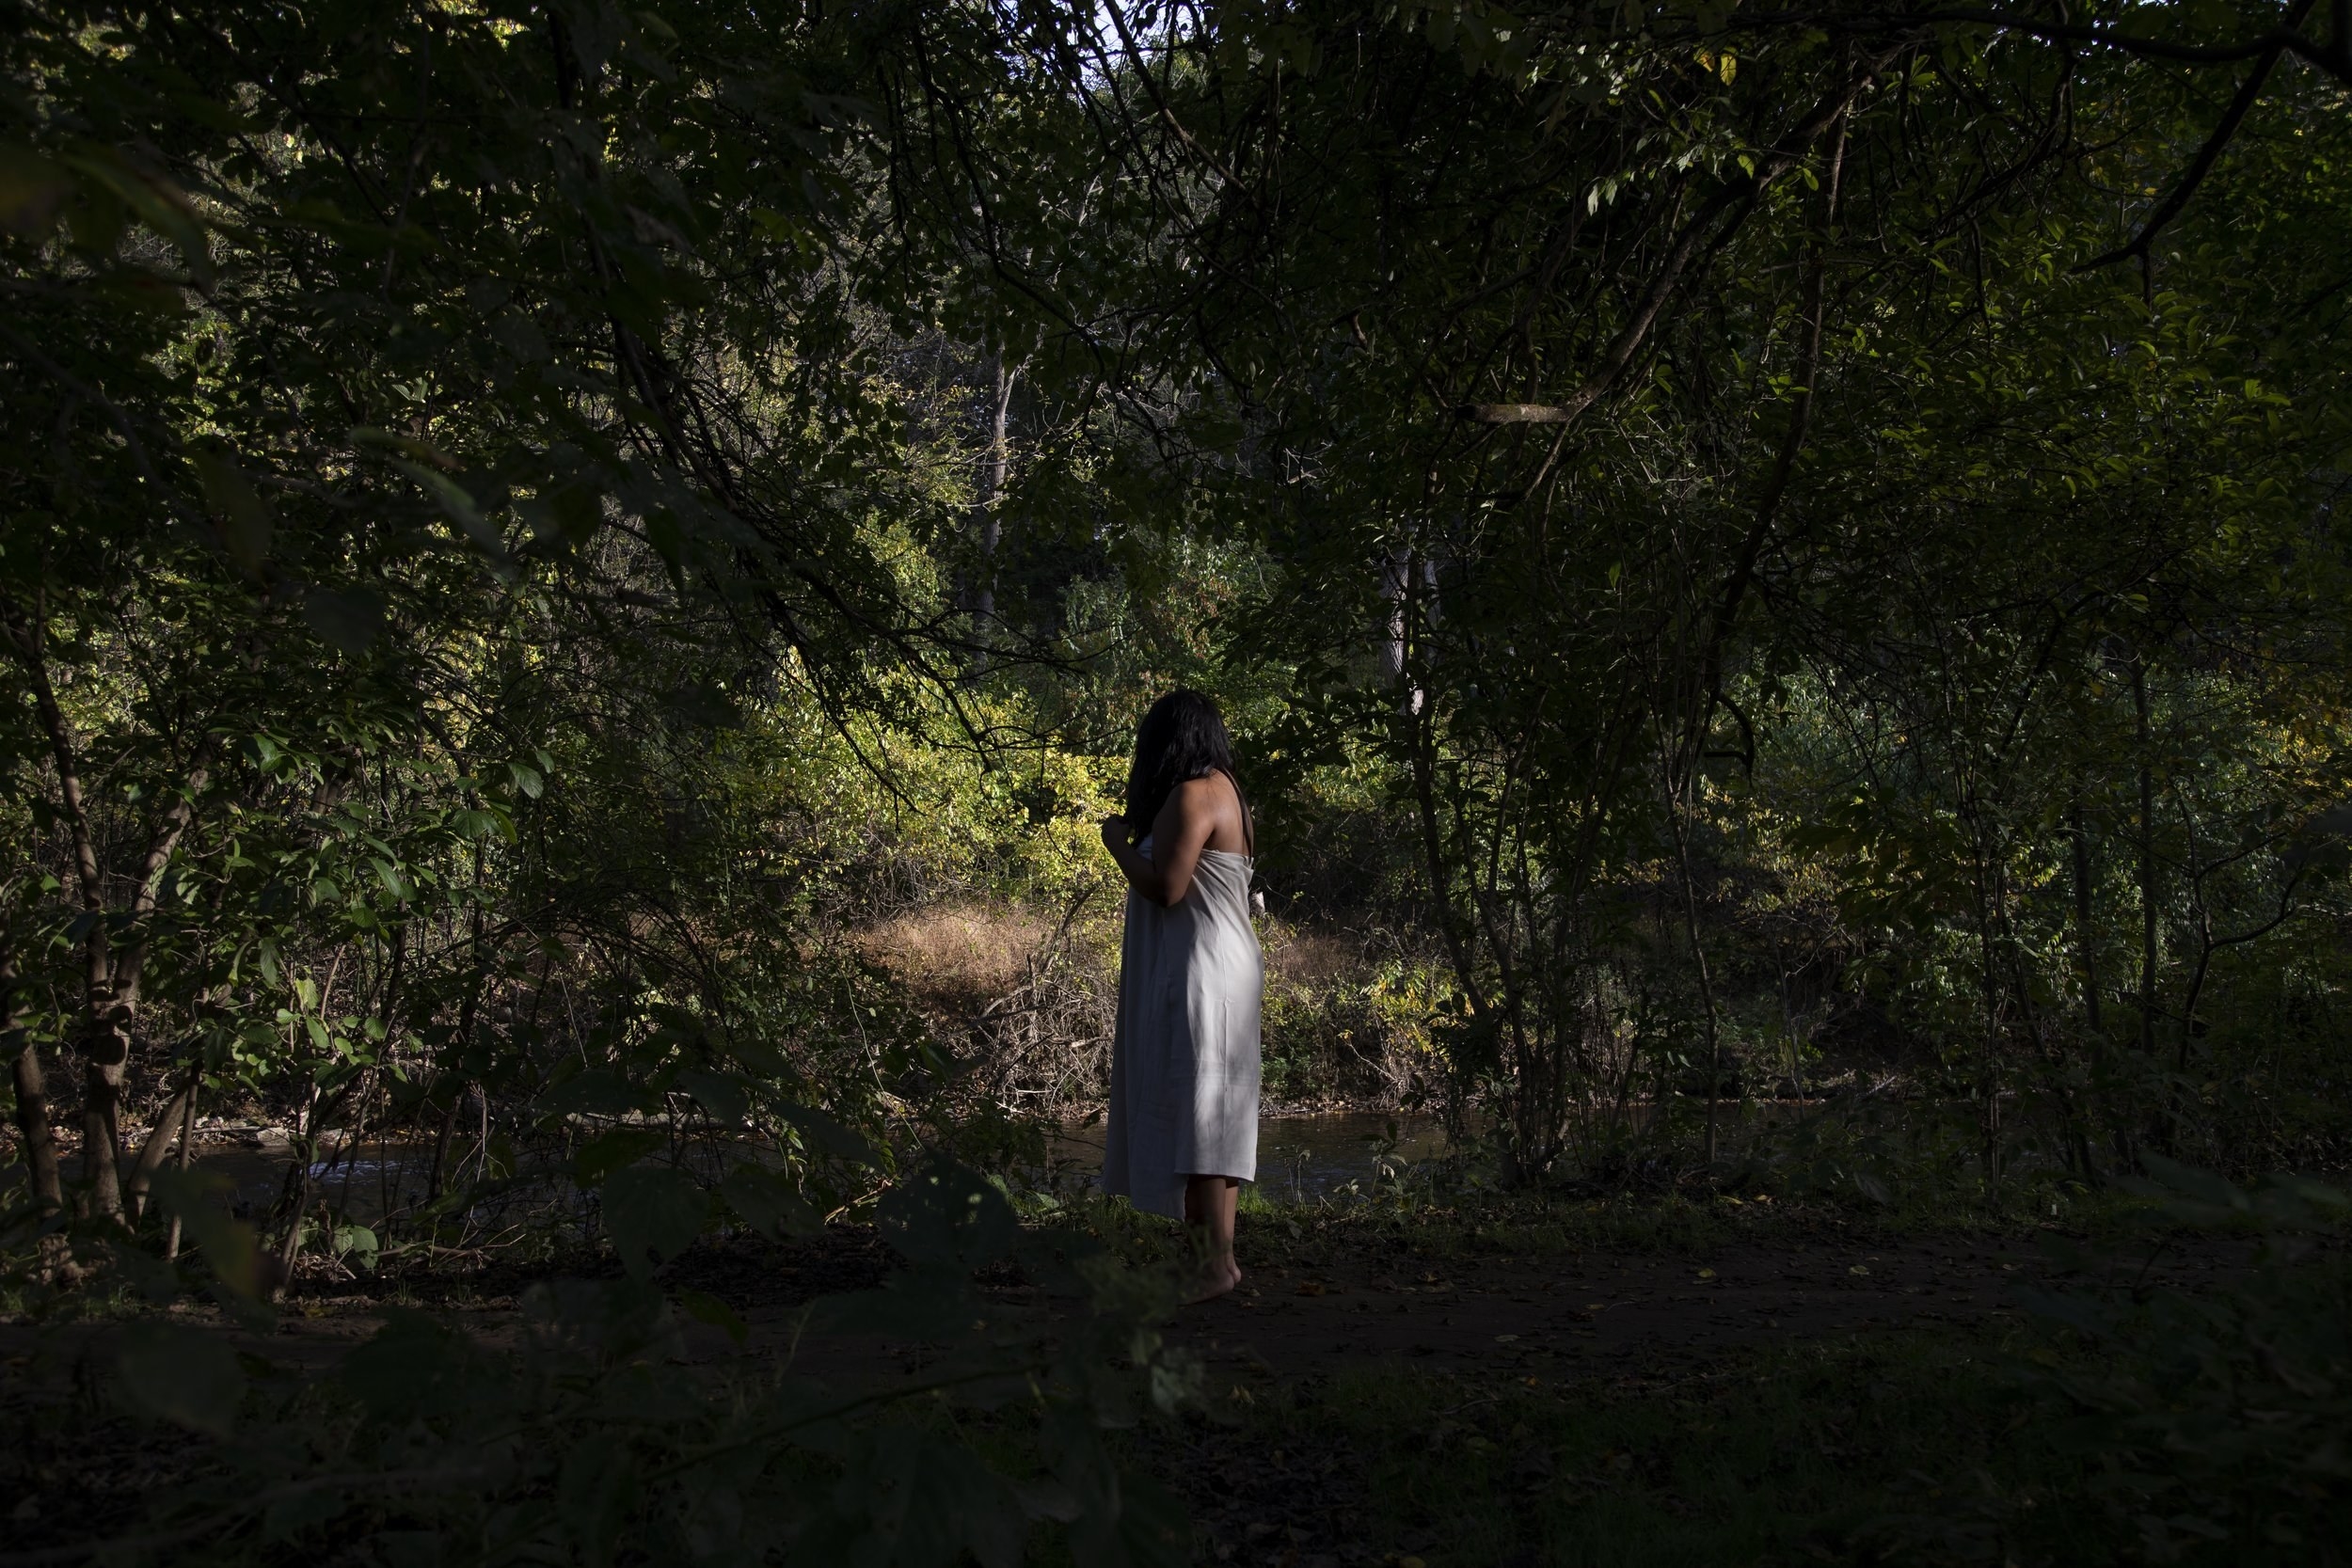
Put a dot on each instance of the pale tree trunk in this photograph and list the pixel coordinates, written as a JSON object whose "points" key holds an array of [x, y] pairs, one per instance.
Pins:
{"points": [[994, 467], [188, 1153], [1395, 581], [168, 1124], [1404, 574]]}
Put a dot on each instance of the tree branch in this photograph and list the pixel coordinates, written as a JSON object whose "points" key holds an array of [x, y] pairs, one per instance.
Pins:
{"points": [[2249, 92]]}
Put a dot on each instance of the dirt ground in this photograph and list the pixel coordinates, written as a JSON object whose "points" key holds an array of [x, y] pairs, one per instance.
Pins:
{"points": [[1639, 1319], [1573, 1314], [1585, 1312], [1567, 1316]]}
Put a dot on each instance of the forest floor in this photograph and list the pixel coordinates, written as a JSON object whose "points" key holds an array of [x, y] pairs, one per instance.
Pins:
{"points": [[1806, 1389], [1662, 1386], [1344, 1294]]}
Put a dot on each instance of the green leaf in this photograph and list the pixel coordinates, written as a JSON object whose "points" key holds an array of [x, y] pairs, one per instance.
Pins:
{"points": [[32, 189], [182, 1375], [930, 1501], [469, 823], [1869, 1186], [947, 1216], [1046, 1497], [596, 1493], [334, 1076], [719, 1095], [199, 1200], [2189, 1181], [160, 204], [394, 883], [575, 511], [145, 1272], [406, 1548], [370, 436], [358, 1244], [760, 1059], [767, 1201], [707, 1308], [600, 1157], [456, 504], [349, 621], [289, 1517], [830, 1137], [654, 1212], [243, 522], [414, 1366]]}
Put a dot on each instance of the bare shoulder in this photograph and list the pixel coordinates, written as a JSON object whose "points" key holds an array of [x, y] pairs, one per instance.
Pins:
{"points": [[1210, 795], [1213, 800]]}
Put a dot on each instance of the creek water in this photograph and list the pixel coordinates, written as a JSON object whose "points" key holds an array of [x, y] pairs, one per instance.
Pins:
{"points": [[1301, 1158], [358, 1186]]}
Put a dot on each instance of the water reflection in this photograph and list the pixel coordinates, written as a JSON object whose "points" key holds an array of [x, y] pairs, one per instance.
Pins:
{"points": [[1301, 1158], [360, 1187]]}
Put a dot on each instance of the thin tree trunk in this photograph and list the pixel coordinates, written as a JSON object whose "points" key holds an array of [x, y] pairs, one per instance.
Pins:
{"points": [[1991, 917], [2086, 955], [1396, 577], [1775, 490], [1789, 1026], [32, 1100], [188, 1153], [2147, 863], [992, 486], [1707, 984], [297, 1193], [111, 979], [105, 1046], [105, 1066], [466, 1014], [441, 1149], [159, 1141]]}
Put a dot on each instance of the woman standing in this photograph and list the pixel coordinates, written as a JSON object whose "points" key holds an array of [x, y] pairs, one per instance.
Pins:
{"points": [[1183, 1113]]}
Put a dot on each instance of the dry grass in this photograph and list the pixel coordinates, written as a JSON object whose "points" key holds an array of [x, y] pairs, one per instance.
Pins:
{"points": [[1030, 999], [1032, 996], [957, 959], [1297, 957]]}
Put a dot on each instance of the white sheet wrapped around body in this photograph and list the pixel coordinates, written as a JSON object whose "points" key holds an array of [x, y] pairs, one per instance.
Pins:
{"points": [[1185, 1060]]}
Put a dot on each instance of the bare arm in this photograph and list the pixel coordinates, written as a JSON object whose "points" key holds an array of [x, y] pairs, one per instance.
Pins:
{"points": [[1179, 834]]}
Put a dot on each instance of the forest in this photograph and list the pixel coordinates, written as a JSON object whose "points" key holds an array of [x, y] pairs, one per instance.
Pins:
{"points": [[575, 580]]}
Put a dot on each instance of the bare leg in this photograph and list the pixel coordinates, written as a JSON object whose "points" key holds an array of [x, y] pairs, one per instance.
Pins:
{"points": [[1209, 1205]]}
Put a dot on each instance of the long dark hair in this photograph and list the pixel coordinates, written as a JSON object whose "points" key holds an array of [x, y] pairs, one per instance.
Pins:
{"points": [[1182, 738]]}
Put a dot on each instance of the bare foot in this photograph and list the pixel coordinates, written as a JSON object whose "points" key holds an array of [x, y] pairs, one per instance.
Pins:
{"points": [[1215, 1279]]}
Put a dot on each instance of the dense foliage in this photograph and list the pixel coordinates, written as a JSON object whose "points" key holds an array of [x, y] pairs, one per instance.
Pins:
{"points": [[1740, 544]]}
